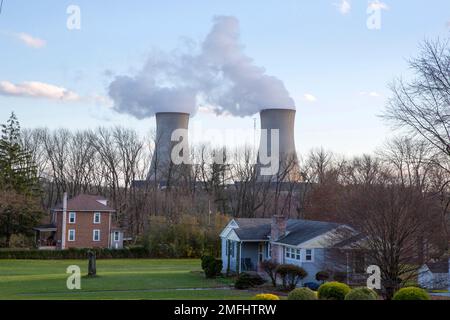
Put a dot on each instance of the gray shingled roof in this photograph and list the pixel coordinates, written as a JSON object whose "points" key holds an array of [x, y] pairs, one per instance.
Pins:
{"points": [[298, 230], [438, 267]]}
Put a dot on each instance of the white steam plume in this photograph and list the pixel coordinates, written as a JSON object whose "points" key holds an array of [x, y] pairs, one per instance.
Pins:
{"points": [[218, 74]]}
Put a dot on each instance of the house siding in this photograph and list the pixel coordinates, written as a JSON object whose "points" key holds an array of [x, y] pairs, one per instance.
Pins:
{"points": [[84, 227], [311, 267], [233, 262], [116, 244]]}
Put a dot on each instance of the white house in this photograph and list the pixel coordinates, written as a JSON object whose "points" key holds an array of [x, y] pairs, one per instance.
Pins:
{"points": [[248, 242], [434, 275]]}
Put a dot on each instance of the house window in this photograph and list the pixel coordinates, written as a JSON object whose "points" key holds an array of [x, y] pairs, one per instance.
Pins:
{"points": [[96, 235], [97, 217], [292, 253], [116, 235], [71, 234], [309, 255], [72, 217]]}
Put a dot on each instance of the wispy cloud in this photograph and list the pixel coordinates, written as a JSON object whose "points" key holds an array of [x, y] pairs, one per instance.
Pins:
{"points": [[309, 97], [372, 94], [35, 89], [344, 7], [378, 5], [30, 41]]}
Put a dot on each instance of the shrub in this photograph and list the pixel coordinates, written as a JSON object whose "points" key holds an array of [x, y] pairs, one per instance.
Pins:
{"points": [[266, 296], [362, 293], [270, 267], [302, 294], [248, 280], [339, 276], [211, 266], [333, 291], [76, 253], [312, 285], [322, 276], [411, 293], [290, 275]]}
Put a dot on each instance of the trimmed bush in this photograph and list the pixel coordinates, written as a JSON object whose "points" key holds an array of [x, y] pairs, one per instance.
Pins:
{"points": [[302, 294], [411, 293], [322, 276], [270, 267], [339, 276], [76, 253], [290, 275], [266, 296], [211, 266], [247, 280], [362, 293], [333, 291]]}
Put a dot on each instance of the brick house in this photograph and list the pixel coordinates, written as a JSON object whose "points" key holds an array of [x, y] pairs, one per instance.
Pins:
{"points": [[85, 221]]}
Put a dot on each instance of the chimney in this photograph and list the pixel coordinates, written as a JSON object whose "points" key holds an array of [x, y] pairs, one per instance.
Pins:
{"points": [[64, 220], [277, 230], [284, 121], [162, 168], [278, 227]]}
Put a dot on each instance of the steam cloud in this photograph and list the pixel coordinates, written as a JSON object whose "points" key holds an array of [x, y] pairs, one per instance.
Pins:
{"points": [[218, 74]]}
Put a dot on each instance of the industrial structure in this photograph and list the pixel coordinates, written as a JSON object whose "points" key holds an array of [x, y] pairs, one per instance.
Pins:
{"points": [[282, 120], [162, 169]]}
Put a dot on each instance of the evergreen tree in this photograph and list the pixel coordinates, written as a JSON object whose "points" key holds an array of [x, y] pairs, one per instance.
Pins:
{"points": [[17, 170], [19, 184]]}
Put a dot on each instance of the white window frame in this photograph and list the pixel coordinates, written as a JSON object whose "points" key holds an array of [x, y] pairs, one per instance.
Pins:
{"points": [[311, 255], [292, 253], [118, 236], [74, 215], [99, 217], [93, 235], [74, 235]]}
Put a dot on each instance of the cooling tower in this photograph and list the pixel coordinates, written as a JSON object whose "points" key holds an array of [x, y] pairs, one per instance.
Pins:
{"points": [[162, 169], [283, 120]]}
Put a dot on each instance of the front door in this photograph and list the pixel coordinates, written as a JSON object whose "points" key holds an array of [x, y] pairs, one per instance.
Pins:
{"points": [[261, 252]]}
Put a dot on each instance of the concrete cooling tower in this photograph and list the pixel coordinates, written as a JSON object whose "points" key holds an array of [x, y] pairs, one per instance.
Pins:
{"points": [[283, 120], [162, 169]]}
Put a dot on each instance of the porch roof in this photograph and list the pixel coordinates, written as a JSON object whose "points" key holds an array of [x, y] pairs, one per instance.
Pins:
{"points": [[45, 228]]}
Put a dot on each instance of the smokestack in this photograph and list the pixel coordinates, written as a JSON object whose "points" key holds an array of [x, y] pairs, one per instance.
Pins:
{"points": [[162, 168], [283, 120]]}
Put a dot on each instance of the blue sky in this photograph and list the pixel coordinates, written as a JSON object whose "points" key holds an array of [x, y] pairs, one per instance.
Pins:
{"points": [[335, 68]]}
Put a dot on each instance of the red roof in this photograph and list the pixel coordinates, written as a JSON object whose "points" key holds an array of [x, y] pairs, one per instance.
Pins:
{"points": [[85, 202]]}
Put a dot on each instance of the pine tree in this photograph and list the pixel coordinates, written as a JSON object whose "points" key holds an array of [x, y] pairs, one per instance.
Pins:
{"points": [[17, 169], [19, 185]]}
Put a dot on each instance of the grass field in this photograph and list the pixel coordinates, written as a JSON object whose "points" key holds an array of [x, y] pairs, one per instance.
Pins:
{"points": [[117, 279]]}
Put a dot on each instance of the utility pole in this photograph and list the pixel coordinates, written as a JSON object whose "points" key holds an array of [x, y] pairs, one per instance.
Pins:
{"points": [[1, 6]]}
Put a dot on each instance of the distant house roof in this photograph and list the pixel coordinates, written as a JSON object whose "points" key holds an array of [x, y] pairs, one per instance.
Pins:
{"points": [[438, 267], [85, 202], [298, 230]]}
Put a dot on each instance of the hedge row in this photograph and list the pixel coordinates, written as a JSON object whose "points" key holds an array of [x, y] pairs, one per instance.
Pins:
{"points": [[72, 253]]}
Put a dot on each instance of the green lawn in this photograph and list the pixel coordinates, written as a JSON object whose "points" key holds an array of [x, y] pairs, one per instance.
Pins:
{"points": [[117, 279]]}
